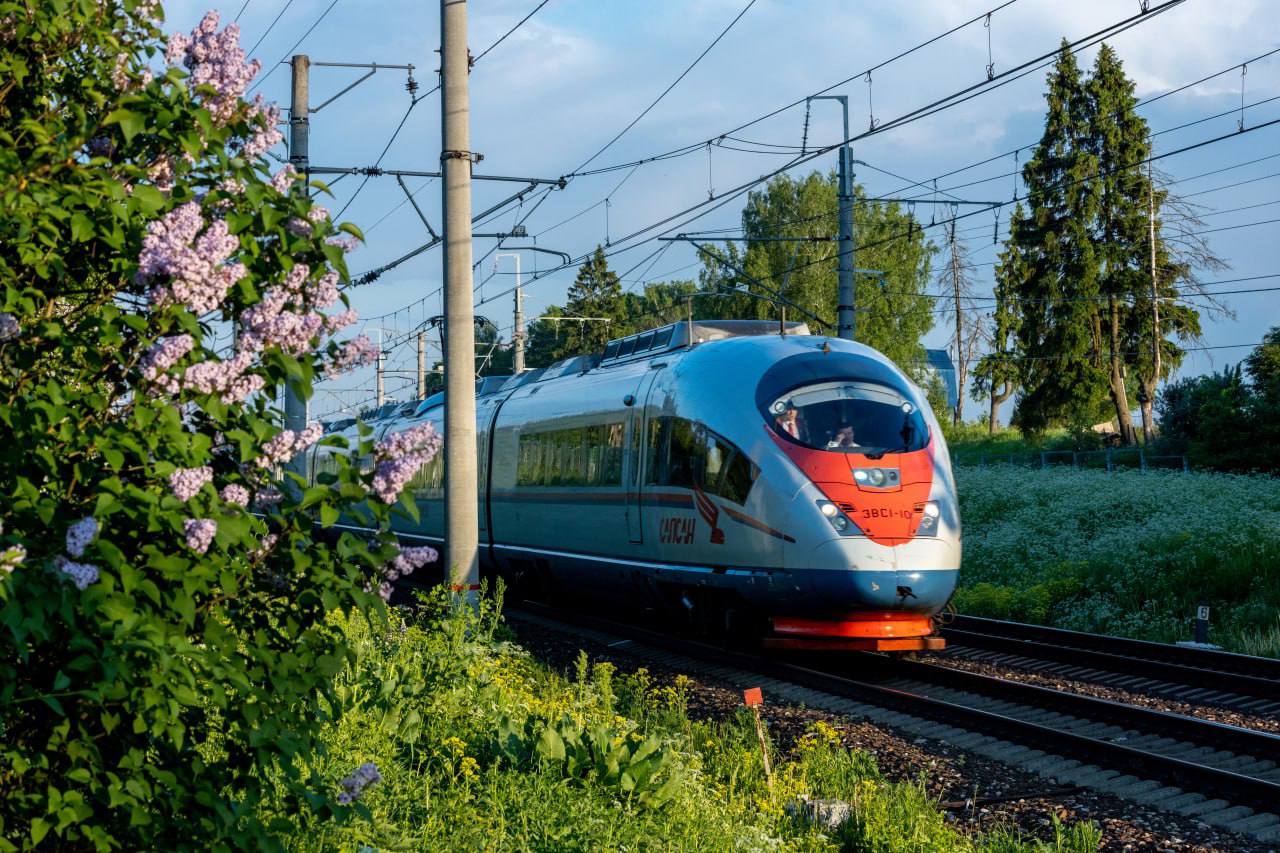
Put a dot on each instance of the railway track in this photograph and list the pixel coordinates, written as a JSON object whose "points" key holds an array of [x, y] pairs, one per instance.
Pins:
{"points": [[1192, 675], [1223, 775]]}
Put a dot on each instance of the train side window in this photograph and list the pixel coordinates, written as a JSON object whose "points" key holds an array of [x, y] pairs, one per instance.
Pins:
{"points": [[663, 337], [589, 455]]}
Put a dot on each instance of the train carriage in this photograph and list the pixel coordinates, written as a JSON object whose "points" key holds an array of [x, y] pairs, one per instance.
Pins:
{"points": [[746, 474]]}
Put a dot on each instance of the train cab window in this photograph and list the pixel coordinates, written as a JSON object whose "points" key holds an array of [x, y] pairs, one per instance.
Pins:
{"points": [[663, 337], [626, 347], [610, 350], [850, 417], [690, 456], [644, 342]]}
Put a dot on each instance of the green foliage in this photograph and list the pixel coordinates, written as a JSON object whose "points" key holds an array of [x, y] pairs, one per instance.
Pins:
{"points": [[1222, 422], [148, 709], [893, 313], [502, 753], [1125, 553]]}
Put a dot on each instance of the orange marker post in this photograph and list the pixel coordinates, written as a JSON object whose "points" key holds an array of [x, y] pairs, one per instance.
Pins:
{"points": [[754, 698]]}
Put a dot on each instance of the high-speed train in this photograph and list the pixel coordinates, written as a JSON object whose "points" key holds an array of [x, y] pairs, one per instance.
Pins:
{"points": [[744, 473]]}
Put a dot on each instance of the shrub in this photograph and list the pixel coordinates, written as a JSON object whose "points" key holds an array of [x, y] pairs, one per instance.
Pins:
{"points": [[164, 652]]}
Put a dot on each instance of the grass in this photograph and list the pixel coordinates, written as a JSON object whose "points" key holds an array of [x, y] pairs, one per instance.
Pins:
{"points": [[483, 748], [1125, 553]]}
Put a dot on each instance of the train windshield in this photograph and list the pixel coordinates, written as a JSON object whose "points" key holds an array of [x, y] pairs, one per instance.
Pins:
{"points": [[850, 417]]}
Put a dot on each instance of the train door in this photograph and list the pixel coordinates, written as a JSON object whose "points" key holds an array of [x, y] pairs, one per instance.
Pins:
{"points": [[637, 426]]}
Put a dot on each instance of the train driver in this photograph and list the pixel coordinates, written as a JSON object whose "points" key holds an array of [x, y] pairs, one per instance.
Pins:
{"points": [[789, 423], [843, 437]]}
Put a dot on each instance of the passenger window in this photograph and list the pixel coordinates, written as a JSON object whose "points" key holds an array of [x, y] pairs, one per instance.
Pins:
{"points": [[588, 455]]}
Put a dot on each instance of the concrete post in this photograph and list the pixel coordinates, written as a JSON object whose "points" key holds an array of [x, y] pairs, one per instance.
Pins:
{"points": [[295, 399], [461, 517], [422, 365]]}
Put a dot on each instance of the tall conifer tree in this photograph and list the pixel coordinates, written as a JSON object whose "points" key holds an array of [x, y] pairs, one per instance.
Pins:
{"points": [[1058, 336]]}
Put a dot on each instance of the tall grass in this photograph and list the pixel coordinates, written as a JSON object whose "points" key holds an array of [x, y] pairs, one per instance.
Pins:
{"points": [[1125, 553], [486, 749]]}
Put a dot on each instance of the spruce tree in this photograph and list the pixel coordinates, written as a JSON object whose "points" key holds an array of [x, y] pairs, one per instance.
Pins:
{"points": [[1058, 336], [1131, 272], [596, 293]]}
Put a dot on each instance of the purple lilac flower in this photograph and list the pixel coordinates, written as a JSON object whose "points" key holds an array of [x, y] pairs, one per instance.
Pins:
{"points": [[230, 379], [163, 355], [338, 322], [186, 483], [362, 777], [286, 444], [81, 574], [200, 533], [344, 242], [80, 534], [398, 458], [268, 542], [299, 226], [282, 180], [318, 214], [235, 494], [9, 327], [356, 352], [410, 560], [266, 117], [214, 59], [186, 267]]}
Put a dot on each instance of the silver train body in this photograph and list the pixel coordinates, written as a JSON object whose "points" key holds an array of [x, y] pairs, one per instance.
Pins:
{"points": [[666, 471]]}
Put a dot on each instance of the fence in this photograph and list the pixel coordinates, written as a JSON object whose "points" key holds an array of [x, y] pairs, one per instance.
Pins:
{"points": [[1111, 459]]}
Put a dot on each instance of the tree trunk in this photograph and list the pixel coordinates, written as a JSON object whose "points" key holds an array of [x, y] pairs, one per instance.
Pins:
{"points": [[997, 400], [1146, 401], [1119, 396]]}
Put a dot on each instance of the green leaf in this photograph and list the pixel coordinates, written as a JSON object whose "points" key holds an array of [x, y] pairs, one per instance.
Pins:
{"points": [[131, 124], [328, 515], [81, 227], [550, 746]]}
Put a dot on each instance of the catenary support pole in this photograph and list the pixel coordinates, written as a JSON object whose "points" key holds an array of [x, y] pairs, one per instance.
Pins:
{"points": [[461, 499], [518, 332], [296, 394], [380, 371], [846, 292], [422, 365]]}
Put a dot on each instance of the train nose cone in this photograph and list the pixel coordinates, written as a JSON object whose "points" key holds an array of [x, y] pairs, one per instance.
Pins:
{"points": [[853, 573]]}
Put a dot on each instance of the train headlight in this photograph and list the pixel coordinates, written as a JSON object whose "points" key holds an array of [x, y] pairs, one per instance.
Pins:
{"points": [[860, 475], [928, 520], [838, 519], [876, 476]]}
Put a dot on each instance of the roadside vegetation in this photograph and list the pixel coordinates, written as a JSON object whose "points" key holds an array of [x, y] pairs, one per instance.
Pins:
{"points": [[489, 749], [1125, 553]]}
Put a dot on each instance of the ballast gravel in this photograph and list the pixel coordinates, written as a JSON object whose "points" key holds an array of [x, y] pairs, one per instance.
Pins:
{"points": [[977, 793], [957, 660]]}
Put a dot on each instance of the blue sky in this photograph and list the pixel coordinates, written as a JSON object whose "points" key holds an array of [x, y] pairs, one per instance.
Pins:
{"points": [[562, 85]]}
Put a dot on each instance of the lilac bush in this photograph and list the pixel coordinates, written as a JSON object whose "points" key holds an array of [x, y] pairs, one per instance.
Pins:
{"points": [[168, 645]]}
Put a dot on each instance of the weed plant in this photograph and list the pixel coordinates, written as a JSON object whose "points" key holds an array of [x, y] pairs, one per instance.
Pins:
{"points": [[490, 750], [1125, 553]]}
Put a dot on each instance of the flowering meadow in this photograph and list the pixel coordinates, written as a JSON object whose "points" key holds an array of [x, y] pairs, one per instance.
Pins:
{"points": [[168, 643], [1126, 553], [485, 748]]}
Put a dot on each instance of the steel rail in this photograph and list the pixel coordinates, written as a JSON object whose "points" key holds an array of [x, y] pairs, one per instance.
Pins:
{"points": [[1194, 667]]}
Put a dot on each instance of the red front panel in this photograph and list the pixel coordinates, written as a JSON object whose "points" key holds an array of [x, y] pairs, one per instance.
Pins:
{"points": [[888, 516]]}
